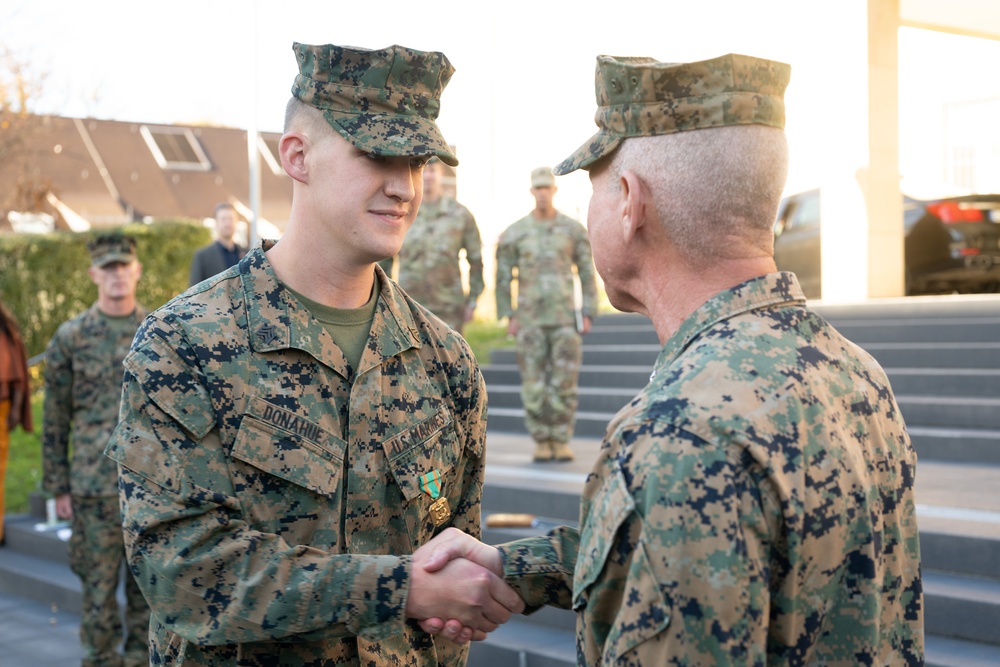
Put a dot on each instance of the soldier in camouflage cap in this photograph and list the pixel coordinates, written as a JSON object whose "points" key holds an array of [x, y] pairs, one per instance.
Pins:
{"points": [[544, 248], [296, 429], [83, 375], [754, 504], [429, 262]]}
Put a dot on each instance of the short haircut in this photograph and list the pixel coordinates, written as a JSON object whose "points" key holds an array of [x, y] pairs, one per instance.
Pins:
{"points": [[306, 116], [716, 191], [222, 206]]}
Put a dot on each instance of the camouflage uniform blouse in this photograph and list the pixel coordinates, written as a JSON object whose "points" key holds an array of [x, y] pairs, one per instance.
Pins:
{"points": [[83, 391], [271, 493], [544, 252], [752, 505], [429, 269]]}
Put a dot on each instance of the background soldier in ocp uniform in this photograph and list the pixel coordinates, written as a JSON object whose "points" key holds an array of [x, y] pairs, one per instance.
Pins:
{"points": [[543, 248], [429, 266], [83, 378]]}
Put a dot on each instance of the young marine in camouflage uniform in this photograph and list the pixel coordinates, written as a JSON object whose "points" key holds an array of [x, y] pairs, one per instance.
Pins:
{"points": [[754, 504], [429, 268], [544, 247], [296, 428], [83, 380]]}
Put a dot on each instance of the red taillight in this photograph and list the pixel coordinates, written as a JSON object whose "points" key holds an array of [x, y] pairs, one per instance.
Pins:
{"points": [[951, 212], [968, 252]]}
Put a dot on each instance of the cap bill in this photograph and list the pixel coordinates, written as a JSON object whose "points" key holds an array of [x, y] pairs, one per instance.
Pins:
{"points": [[599, 145]]}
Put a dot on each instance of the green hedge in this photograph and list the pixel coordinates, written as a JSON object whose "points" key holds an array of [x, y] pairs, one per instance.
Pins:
{"points": [[44, 281]]}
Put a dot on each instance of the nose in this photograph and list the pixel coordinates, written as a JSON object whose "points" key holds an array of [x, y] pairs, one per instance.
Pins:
{"points": [[402, 180]]}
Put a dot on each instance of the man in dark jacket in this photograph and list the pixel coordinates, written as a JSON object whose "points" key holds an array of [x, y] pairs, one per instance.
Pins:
{"points": [[224, 252]]}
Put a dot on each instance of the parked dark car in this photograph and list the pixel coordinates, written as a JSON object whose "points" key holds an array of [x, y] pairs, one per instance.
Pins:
{"points": [[951, 245]]}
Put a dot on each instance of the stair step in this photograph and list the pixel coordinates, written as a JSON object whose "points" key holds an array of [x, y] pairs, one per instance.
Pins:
{"points": [[522, 643], [36, 635], [947, 652], [944, 411], [40, 579], [962, 607], [961, 445]]}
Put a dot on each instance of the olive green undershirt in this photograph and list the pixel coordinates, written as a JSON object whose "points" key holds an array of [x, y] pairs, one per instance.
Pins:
{"points": [[349, 327], [120, 325]]}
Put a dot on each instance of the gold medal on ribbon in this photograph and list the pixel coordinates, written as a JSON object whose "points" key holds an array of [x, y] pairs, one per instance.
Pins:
{"points": [[431, 485]]}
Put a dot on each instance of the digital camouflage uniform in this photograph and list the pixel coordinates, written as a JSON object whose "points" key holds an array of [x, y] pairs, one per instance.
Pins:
{"points": [[83, 380], [429, 268], [549, 347], [271, 492], [752, 505]]}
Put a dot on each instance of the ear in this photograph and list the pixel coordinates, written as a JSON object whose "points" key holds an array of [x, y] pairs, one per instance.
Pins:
{"points": [[292, 150], [92, 272], [634, 200]]}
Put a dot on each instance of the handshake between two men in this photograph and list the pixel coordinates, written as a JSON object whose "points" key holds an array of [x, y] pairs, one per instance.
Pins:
{"points": [[457, 590]]}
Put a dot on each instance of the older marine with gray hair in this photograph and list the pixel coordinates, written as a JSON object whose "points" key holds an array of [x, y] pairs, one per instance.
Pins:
{"points": [[754, 504]]}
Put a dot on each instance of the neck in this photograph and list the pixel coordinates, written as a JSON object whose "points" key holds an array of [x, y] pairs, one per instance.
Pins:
{"points": [[116, 307], [228, 244], [544, 213], [688, 288], [317, 272]]}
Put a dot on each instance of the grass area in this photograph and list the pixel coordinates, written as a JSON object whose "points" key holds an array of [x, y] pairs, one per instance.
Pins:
{"points": [[24, 463], [486, 336]]}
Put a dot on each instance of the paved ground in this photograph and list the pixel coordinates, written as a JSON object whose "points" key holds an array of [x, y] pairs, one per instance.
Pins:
{"points": [[33, 635]]}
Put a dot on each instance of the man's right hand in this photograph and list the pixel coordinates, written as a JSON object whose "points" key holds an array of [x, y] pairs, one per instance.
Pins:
{"points": [[512, 326], [459, 589], [64, 506]]}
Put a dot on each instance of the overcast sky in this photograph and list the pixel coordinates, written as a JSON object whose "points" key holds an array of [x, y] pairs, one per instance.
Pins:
{"points": [[523, 92]]}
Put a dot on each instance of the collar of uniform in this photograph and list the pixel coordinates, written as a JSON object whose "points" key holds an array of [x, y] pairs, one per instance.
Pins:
{"points": [[94, 319], [269, 306], [277, 321], [393, 330], [768, 290]]}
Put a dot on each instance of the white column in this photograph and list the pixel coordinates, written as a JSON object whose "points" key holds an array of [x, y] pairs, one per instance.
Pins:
{"points": [[861, 207]]}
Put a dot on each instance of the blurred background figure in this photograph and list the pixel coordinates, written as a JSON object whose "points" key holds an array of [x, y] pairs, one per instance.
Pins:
{"points": [[224, 252], [429, 267], [15, 392], [544, 248], [83, 388]]}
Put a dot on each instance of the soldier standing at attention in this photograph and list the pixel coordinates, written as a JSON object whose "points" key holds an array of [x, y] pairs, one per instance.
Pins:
{"points": [[544, 247], [296, 428], [429, 268], [754, 504], [83, 380]]}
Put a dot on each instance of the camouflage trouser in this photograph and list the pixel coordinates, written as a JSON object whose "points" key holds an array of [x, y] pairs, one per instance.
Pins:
{"points": [[549, 358], [97, 551]]}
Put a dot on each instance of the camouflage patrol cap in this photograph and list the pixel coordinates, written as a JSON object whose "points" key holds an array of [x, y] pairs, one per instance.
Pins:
{"points": [[542, 177], [383, 101], [108, 248], [642, 97]]}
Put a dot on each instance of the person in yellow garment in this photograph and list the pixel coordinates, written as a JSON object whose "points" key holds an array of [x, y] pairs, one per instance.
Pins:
{"points": [[15, 393]]}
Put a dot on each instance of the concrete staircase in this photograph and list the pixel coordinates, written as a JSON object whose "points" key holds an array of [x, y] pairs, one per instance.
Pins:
{"points": [[943, 359]]}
